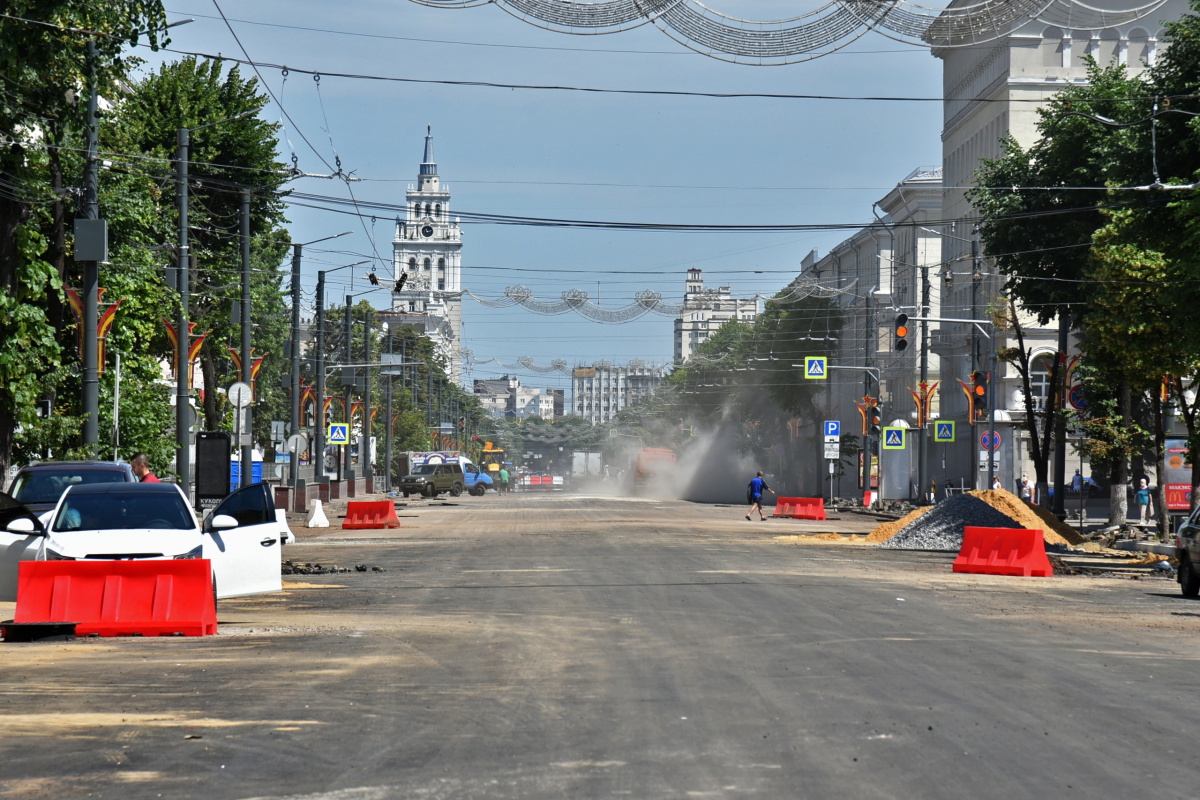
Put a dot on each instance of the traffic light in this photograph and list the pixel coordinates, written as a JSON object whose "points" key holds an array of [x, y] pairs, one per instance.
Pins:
{"points": [[979, 391], [901, 332], [400, 282], [373, 278], [876, 420]]}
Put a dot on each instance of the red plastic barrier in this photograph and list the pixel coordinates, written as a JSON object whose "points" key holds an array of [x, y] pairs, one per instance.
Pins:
{"points": [[363, 514], [1003, 551], [120, 598], [800, 507]]}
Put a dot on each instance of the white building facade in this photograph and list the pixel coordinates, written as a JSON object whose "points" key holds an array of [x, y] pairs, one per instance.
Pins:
{"points": [[602, 390], [705, 311], [992, 90], [427, 247]]}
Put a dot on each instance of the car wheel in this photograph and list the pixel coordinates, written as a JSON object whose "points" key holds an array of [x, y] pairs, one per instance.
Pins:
{"points": [[456, 490], [214, 581], [1189, 580], [405, 494], [477, 491]]}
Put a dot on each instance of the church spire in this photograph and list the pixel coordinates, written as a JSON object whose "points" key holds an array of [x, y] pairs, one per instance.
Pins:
{"points": [[428, 165]]}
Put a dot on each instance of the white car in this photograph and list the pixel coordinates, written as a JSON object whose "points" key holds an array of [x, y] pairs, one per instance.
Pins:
{"points": [[242, 537]]}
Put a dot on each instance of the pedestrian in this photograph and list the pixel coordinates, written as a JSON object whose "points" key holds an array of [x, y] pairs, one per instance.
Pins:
{"points": [[1144, 504], [1026, 489], [1077, 482], [503, 480], [141, 468], [754, 493], [996, 482]]}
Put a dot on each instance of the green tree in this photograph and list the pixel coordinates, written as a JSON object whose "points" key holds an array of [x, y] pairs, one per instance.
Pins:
{"points": [[43, 56], [226, 160]]}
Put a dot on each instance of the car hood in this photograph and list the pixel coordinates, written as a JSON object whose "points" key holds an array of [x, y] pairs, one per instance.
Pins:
{"points": [[134, 542]]}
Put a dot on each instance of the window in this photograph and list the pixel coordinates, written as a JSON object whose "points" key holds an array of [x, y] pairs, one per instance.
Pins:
{"points": [[1039, 380], [412, 265], [441, 265], [437, 210], [427, 265], [441, 284], [427, 210]]}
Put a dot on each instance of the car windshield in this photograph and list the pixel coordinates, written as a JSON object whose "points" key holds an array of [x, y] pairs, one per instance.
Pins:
{"points": [[47, 485], [425, 469], [123, 511]]}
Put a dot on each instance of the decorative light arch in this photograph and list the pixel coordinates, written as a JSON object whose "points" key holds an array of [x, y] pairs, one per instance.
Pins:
{"points": [[824, 30]]}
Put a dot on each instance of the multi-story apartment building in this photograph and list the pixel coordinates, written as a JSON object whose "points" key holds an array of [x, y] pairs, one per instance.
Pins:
{"points": [[601, 390], [705, 311]]}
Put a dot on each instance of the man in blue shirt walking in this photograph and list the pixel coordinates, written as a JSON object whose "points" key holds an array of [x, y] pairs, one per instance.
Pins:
{"points": [[755, 490]]}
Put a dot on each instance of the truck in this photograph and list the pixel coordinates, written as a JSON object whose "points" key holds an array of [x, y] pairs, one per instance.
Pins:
{"points": [[653, 464]]}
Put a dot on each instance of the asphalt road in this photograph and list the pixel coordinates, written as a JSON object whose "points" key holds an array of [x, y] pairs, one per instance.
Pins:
{"points": [[557, 647]]}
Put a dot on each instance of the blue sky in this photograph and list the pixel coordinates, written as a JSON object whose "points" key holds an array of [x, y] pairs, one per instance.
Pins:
{"points": [[579, 155]]}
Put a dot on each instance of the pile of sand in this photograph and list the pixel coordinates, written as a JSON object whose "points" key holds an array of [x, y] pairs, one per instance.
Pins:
{"points": [[889, 529], [1021, 513], [1030, 517]]}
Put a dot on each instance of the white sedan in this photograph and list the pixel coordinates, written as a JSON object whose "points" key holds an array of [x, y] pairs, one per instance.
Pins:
{"points": [[242, 537]]}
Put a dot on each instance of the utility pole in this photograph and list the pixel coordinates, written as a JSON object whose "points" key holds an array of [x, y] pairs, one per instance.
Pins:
{"points": [[923, 434], [91, 269], [295, 377], [319, 432], [976, 282], [387, 469], [348, 372], [365, 460], [183, 460], [247, 466]]}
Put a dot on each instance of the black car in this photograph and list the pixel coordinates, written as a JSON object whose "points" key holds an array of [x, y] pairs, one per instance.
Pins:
{"points": [[39, 485]]}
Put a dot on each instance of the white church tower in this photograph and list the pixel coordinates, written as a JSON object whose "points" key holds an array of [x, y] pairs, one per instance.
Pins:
{"points": [[427, 248]]}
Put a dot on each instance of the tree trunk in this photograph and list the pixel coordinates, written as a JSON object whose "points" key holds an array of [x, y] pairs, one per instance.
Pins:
{"points": [[11, 214], [1160, 468], [1118, 502]]}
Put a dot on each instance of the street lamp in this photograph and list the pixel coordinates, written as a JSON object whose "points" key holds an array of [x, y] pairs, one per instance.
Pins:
{"points": [[183, 337]]}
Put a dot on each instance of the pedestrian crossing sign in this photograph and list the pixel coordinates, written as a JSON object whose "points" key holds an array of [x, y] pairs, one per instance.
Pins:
{"points": [[893, 438], [814, 368], [338, 433], [943, 432]]}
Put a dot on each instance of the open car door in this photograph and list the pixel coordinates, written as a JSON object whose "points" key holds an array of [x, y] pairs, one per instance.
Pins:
{"points": [[17, 546], [246, 559]]}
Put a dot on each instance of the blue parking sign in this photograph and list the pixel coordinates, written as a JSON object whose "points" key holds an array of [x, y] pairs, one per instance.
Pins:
{"points": [[833, 427]]}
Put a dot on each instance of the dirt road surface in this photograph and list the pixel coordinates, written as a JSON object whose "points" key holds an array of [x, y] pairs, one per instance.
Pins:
{"points": [[566, 647]]}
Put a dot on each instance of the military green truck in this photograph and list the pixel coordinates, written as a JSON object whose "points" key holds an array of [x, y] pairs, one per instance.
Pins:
{"points": [[430, 480]]}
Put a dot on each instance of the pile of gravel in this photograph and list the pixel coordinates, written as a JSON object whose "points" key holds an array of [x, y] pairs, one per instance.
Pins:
{"points": [[941, 528]]}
